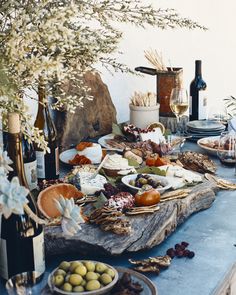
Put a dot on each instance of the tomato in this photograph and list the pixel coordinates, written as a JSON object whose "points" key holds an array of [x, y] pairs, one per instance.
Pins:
{"points": [[147, 198]]}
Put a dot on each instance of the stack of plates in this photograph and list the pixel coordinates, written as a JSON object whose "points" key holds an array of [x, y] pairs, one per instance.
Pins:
{"points": [[204, 128]]}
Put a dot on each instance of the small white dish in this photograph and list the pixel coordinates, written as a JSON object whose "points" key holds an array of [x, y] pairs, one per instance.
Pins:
{"points": [[209, 150], [94, 154], [67, 155], [103, 142], [164, 181]]}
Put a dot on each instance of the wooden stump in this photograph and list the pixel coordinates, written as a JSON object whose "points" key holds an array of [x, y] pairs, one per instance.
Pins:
{"points": [[94, 119], [147, 230]]}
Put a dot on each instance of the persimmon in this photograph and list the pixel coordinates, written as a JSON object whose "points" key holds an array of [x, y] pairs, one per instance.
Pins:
{"points": [[79, 160], [147, 198], [151, 160], [160, 162], [83, 145]]}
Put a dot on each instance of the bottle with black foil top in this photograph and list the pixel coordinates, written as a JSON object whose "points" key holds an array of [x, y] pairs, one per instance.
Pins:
{"points": [[21, 238], [198, 95], [47, 163]]}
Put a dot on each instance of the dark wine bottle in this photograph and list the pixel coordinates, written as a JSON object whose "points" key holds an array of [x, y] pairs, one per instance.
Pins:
{"points": [[47, 163], [21, 238], [198, 98], [30, 163]]}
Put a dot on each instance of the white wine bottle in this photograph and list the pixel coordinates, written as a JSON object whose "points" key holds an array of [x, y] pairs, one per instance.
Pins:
{"points": [[30, 163], [47, 163], [21, 238]]}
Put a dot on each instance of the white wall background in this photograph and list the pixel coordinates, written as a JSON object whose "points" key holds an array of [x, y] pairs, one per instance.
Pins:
{"points": [[216, 48]]}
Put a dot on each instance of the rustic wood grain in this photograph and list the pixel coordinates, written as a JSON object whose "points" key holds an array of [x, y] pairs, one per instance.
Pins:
{"points": [[147, 231]]}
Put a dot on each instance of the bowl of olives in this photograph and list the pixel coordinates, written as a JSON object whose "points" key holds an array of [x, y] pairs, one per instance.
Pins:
{"points": [[82, 278], [146, 182]]}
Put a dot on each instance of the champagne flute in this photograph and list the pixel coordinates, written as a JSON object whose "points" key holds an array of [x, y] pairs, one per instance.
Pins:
{"points": [[179, 105]]}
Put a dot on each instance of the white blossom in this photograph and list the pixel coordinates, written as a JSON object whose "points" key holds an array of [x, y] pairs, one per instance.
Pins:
{"points": [[12, 196], [71, 215], [5, 162]]}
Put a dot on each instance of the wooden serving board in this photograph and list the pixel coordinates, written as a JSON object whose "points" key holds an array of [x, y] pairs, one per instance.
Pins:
{"points": [[148, 230]]}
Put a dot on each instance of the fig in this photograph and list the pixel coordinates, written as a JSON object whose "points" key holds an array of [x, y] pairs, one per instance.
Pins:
{"points": [[100, 267], [91, 276], [75, 279], [81, 270], [67, 287], [105, 279], [58, 280], [92, 285]]}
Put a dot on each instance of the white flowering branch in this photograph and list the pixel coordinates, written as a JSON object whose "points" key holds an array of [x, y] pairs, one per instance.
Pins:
{"points": [[62, 40]]}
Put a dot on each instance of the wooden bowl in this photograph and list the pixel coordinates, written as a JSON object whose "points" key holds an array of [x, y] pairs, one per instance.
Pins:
{"points": [[46, 197]]}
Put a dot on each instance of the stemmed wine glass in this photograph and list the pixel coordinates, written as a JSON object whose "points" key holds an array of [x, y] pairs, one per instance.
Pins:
{"points": [[179, 105]]}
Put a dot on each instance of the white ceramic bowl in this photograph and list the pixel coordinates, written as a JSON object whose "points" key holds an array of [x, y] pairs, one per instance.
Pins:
{"points": [[209, 150], [103, 290], [166, 185]]}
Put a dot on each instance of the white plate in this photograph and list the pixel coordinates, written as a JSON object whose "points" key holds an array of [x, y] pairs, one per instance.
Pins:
{"points": [[67, 155], [102, 141], [209, 150], [103, 290], [205, 125], [166, 185]]}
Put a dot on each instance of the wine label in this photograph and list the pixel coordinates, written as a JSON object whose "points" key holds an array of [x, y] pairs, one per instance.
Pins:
{"points": [[202, 105], [190, 105], [40, 164], [39, 257], [3, 255], [57, 160], [31, 174], [3, 259]]}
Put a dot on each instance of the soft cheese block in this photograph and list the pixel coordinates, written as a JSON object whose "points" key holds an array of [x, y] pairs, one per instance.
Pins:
{"points": [[88, 185], [154, 135], [116, 163], [179, 176]]}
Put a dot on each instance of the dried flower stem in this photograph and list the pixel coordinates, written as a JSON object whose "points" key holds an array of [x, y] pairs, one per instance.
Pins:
{"points": [[33, 216]]}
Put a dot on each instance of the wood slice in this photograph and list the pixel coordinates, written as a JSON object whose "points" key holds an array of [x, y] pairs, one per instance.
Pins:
{"points": [[147, 230]]}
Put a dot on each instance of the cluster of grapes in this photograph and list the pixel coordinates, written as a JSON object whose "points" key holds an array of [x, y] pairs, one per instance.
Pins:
{"points": [[108, 191], [180, 251], [46, 183]]}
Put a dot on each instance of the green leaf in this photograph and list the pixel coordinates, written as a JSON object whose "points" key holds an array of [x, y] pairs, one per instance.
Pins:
{"points": [[116, 129], [112, 180], [167, 132], [101, 200], [133, 162], [151, 170]]}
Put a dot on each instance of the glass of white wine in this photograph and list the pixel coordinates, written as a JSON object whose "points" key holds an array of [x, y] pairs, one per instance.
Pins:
{"points": [[179, 104]]}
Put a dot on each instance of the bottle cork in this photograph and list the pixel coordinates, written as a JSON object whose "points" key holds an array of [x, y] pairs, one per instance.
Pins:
{"points": [[13, 123]]}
